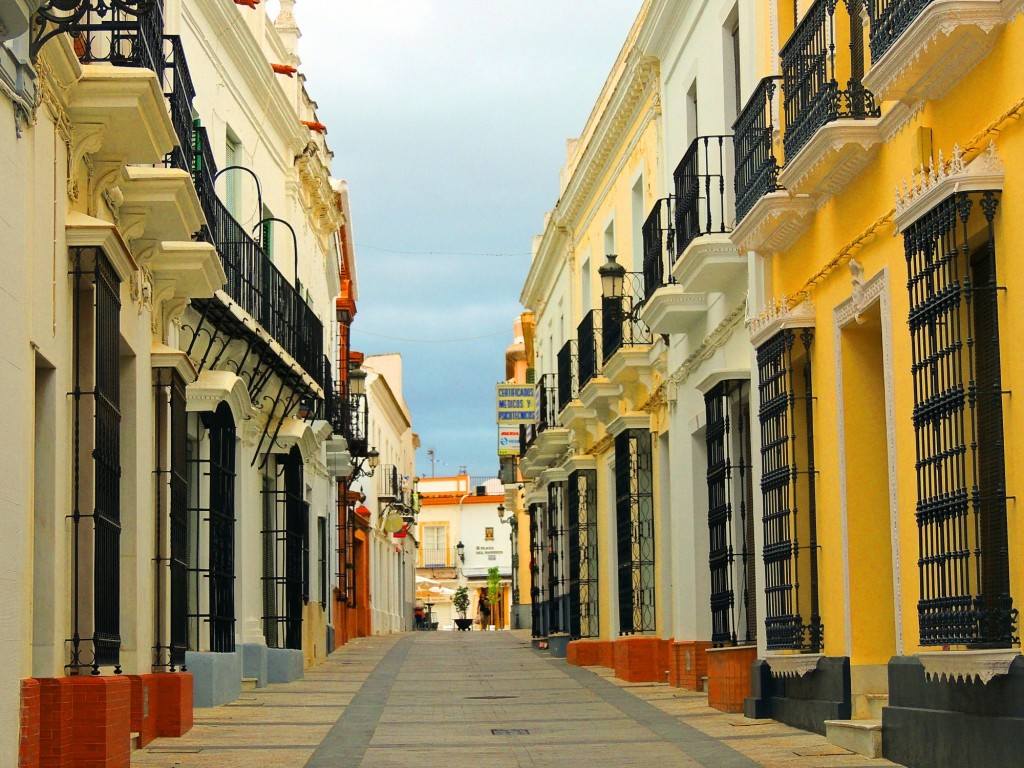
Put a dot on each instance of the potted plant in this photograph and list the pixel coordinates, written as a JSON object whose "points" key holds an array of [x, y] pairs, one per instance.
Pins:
{"points": [[461, 603]]}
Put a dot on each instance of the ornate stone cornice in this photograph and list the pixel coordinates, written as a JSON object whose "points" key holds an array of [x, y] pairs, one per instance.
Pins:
{"points": [[967, 666], [711, 343]]}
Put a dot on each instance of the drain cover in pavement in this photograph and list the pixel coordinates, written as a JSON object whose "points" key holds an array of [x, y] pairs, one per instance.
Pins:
{"points": [[510, 731], [492, 697]]}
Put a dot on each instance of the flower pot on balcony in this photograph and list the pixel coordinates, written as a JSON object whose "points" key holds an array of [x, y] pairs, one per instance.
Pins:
{"points": [[463, 624]]}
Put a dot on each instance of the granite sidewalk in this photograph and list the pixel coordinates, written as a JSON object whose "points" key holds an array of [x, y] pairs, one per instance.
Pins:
{"points": [[487, 698]]}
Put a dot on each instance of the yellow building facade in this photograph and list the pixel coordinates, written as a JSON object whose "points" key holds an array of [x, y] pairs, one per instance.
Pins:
{"points": [[878, 169]]}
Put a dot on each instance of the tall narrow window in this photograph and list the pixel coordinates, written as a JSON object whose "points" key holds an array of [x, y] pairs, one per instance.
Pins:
{"points": [[538, 570], [586, 301], [321, 540], [96, 459], [634, 512], [787, 487], [285, 553], [691, 114], [730, 524], [232, 156], [435, 551], [583, 576], [557, 608], [958, 423], [731, 67]]}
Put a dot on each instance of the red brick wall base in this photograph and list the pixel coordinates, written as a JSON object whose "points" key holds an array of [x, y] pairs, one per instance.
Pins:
{"points": [[688, 664], [590, 653], [172, 696], [637, 660], [28, 743], [84, 722], [729, 676]]}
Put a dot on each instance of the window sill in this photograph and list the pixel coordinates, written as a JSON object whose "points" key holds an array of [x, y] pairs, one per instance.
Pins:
{"points": [[966, 666]]}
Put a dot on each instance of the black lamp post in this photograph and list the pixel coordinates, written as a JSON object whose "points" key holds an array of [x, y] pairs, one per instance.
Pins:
{"points": [[613, 276], [461, 548]]}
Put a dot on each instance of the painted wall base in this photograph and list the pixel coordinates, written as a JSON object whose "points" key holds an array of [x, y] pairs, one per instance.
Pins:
{"points": [[590, 653], [254, 663], [216, 677], [802, 702], [688, 664], [522, 617], [729, 676], [557, 643], [82, 720], [640, 660], [953, 723], [284, 665]]}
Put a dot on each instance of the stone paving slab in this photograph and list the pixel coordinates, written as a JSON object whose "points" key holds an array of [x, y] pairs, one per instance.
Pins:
{"points": [[482, 698]]}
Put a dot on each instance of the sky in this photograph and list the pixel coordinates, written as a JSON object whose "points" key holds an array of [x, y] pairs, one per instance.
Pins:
{"points": [[448, 119]]}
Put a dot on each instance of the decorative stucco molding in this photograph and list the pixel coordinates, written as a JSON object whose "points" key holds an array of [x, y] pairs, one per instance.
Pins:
{"points": [[83, 231], [215, 387], [779, 316], [793, 664], [966, 666], [162, 356], [707, 348], [929, 186]]}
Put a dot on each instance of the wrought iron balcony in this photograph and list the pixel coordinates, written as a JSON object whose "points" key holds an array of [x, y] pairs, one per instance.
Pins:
{"points": [[658, 236], [388, 487], [180, 91], [701, 204], [568, 374], [253, 281], [889, 20], [547, 402], [125, 33], [810, 72], [757, 167], [354, 420], [588, 332], [621, 325]]}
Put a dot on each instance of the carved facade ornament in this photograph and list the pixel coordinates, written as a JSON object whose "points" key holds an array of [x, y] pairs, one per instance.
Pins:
{"points": [[857, 292], [781, 314], [707, 348], [792, 664], [967, 666]]}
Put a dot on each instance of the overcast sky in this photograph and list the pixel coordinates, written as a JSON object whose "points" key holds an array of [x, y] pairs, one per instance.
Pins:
{"points": [[448, 119]]}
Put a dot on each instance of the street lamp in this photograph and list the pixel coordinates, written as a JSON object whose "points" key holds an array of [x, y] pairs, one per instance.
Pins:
{"points": [[461, 548], [513, 524], [370, 460], [612, 275]]}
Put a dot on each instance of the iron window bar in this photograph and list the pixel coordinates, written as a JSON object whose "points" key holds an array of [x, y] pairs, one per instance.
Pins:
{"points": [[634, 516], [730, 525], [788, 479], [211, 531], [388, 487], [658, 233], [958, 425], [583, 554], [757, 164], [172, 551], [95, 641], [588, 332], [547, 402], [285, 553], [556, 560], [538, 571], [568, 374], [701, 203], [813, 97]]}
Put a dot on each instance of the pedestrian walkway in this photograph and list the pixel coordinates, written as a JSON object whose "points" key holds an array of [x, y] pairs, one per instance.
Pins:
{"points": [[479, 698]]}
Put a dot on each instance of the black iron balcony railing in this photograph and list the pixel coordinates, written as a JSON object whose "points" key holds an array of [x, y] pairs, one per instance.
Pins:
{"points": [[621, 327], [810, 82], [889, 20], [589, 335], [702, 207], [568, 374], [355, 417], [125, 33], [180, 91], [547, 402], [757, 167], [253, 281], [658, 236], [507, 470], [388, 487]]}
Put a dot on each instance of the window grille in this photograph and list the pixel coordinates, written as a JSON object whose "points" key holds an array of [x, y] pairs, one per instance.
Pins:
{"points": [[787, 486], [96, 479], [285, 553], [583, 575], [321, 538], [958, 425], [556, 557], [730, 524], [538, 556], [634, 509], [211, 532]]}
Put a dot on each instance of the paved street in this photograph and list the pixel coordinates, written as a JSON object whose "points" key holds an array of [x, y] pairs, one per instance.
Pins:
{"points": [[485, 698]]}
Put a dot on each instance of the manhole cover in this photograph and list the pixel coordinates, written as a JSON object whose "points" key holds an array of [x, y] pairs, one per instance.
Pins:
{"points": [[492, 697], [510, 732]]}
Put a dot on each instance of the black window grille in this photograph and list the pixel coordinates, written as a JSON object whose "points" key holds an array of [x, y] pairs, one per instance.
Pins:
{"points": [[173, 475], [730, 524], [547, 402], [813, 97], [568, 374], [589, 347], [349, 573], [701, 205], [889, 20], [96, 461], [179, 92], [285, 553], [321, 540], [757, 167], [634, 511], [211, 531], [556, 594], [787, 487], [538, 571], [658, 237], [583, 575], [958, 424]]}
